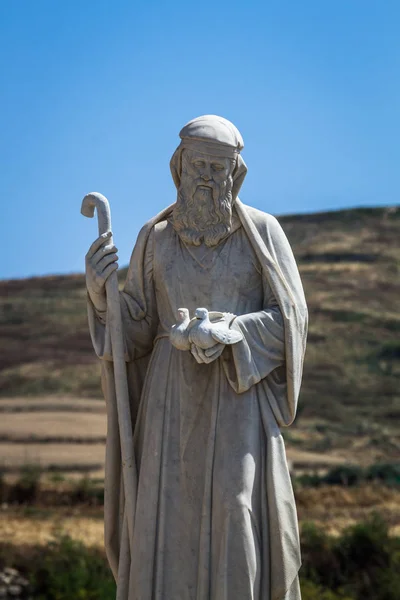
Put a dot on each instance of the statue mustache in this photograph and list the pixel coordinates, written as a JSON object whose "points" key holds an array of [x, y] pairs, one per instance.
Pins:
{"points": [[201, 183]]}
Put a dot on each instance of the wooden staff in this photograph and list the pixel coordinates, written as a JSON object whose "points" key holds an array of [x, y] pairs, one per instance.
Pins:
{"points": [[114, 322]]}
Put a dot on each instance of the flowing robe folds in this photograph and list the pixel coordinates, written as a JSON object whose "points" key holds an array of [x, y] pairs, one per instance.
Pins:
{"points": [[215, 514]]}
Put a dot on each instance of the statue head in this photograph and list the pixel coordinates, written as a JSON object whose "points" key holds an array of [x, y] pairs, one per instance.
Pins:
{"points": [[208, 172]]}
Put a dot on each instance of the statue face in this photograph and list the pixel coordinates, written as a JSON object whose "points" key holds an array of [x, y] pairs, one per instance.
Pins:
{"points": [[203, 211], [208, 168], [206, 175]]}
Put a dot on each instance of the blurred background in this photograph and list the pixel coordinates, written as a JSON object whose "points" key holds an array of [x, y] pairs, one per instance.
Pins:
{"points": [[93, 96]]}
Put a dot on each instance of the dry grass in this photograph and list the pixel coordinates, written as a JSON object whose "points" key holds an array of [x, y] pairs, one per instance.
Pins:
{"points": [[63, 433], [337, 507], [19, 529], [69, 434], [63, 425], [51, 403], [67, 457], [333, 508]]}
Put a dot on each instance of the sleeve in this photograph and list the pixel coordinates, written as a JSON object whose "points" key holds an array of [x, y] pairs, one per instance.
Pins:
{"points": [[138, 309], [279, 385], [262, 348]]}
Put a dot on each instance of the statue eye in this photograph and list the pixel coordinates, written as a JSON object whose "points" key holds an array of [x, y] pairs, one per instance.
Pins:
{"points": [[198, 163], [217, 167]]}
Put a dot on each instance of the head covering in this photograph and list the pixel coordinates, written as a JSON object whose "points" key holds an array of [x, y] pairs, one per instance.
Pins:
{"points": [[213, 135], [217, 133]]}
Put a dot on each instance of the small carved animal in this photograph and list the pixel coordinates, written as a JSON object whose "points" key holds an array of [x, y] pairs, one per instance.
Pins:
{"points": [[179, 335], [206, 334]]}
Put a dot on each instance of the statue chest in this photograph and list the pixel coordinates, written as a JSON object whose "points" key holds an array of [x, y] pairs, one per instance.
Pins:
{"points": [[226, 277]]}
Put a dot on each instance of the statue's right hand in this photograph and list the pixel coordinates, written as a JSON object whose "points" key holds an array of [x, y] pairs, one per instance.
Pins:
{"points": [[100, 263]]}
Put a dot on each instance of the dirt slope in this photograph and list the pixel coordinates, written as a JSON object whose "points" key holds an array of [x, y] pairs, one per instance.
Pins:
{"points": [[350, 401]]}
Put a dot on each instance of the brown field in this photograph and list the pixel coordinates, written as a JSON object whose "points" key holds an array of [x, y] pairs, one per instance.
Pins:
{"points": [[336, 507], [50, 403], [69, 435], [51, 414], [331, 507], [77, 429], [62, 425], [61, 457], [27, 424], [349, 407], [20, 529], [65, 435]]}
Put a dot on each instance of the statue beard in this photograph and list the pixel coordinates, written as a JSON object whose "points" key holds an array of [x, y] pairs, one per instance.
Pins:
{"points": [[203, 211]]}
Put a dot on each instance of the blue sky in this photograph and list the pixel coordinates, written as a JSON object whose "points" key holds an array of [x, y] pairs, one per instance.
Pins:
{"points": [[93, 95]]}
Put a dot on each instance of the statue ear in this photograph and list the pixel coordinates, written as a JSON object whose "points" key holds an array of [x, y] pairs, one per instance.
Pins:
{"points": [[176, 166], [238, 175]]}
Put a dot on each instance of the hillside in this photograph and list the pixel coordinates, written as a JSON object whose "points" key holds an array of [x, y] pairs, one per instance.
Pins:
{"points": [[350, 401]]}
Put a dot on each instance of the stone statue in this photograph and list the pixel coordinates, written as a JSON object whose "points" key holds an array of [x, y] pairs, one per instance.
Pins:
{"points": [[214, 325]]}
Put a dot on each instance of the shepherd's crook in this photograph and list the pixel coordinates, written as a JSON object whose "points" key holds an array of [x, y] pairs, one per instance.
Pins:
{"points": [[114, 320]]}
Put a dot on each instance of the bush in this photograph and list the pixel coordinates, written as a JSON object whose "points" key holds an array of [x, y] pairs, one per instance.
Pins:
{"points": [[3, 488], [309, 480], [71, 571], [26, 489], [364, 547], [363, 563], [387, 473], [345, 475], [311, 591], [64, 569], [370, 557], [86, 492], [351, 475], [320, 564]]}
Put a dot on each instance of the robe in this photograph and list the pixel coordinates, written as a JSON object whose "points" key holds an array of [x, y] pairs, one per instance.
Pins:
{"points": [[215, 513]]}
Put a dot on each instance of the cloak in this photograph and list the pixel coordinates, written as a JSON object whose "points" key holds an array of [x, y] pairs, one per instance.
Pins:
{"points": [[280, 388]]}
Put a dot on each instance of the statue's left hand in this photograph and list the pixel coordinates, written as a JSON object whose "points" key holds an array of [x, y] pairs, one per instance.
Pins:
{"points": [[207, 356]]}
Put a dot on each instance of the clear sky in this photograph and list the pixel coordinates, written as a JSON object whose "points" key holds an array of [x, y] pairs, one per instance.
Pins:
{"points": [[93, 94]]}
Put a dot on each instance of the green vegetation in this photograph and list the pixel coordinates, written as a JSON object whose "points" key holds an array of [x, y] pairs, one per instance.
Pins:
{"points": [[26, 489], [63, 570], [352, 475], [361, 564], [85, 491], [30, 490]]}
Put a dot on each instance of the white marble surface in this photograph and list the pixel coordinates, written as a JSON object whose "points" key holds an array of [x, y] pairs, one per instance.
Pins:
{"points": [[215, 516]]}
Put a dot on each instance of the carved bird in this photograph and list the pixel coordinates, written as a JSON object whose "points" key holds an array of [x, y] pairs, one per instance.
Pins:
{"points": [[206, 334], [179, 335]]}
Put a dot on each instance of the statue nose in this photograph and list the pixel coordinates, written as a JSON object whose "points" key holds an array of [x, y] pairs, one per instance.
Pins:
{"points": [[206, 175]]}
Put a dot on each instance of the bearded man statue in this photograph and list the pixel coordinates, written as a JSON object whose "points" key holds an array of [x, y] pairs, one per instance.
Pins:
{"points": [[215, 516]]}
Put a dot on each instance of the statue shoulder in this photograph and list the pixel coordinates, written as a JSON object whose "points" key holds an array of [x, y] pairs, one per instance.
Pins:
{"points": [[157, 223], [266, 224]]}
